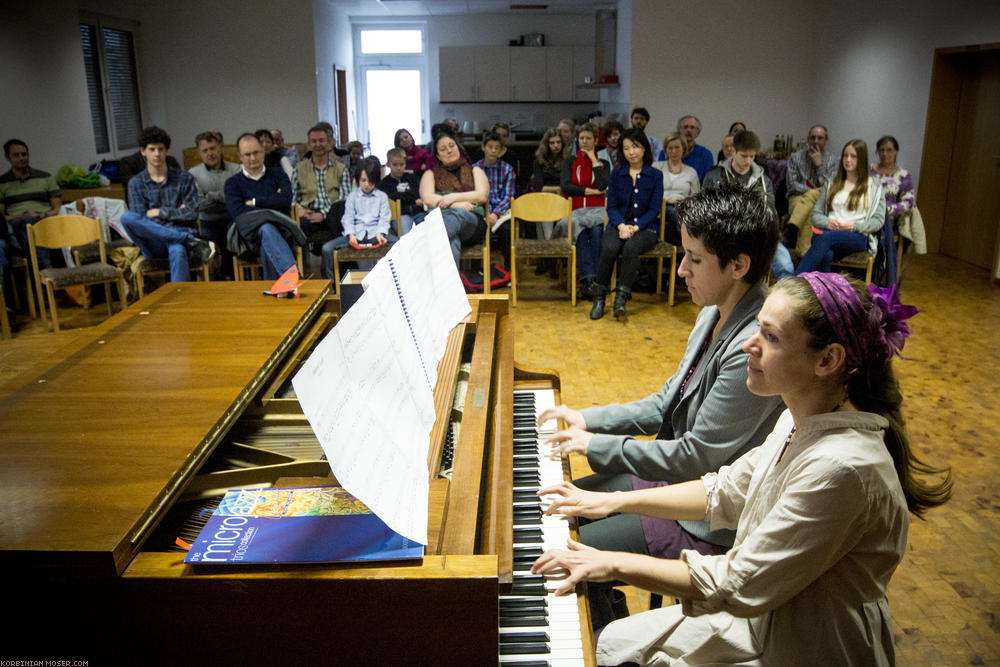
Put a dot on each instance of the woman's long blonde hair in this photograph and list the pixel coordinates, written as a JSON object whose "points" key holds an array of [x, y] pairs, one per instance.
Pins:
{"points": [[861, 187]]}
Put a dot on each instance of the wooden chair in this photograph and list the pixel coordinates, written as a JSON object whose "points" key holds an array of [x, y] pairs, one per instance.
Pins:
{"points": [[61, 231], [20, 264], [481, 253], [661, 251], [395, 215], [536, 207], [254, 267], [161, 267]]}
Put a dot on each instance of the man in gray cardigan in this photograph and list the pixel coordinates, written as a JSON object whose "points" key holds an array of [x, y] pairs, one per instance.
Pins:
{"points": [[704, 417]]}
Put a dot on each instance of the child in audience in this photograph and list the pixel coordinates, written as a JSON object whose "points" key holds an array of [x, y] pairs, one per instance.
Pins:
{"points": [[404, 186], [366, 215], [417, 159]]}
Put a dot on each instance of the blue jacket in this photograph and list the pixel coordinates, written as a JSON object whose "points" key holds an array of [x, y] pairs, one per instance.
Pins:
{"points": [[648, 198]]}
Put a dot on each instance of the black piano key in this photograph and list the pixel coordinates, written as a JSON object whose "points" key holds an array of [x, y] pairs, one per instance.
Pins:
{"points": [[529, 579], [518, 649], [526, 663], [529, 637], [528, 589], [520, 603], [524, 622]]}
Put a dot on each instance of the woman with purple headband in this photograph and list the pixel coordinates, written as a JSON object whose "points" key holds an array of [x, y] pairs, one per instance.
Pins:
{"points": [[821, 508]]}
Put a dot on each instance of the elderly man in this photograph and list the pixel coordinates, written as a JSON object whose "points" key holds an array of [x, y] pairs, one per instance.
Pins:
{"points": [[698, 157], [316, 187], [639, 119], [259, 201], [809, 169], [26, 195], [291, 152]]}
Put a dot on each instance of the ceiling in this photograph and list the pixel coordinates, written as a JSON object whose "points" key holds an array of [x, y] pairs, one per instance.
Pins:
{"points": [[451, 7]]}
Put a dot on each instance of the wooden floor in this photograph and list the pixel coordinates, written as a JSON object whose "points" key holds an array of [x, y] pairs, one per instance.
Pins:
{"points": [[945, 597]]}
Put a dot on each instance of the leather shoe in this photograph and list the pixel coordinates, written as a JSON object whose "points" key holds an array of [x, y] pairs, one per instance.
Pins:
{"points": [[597, 311], [621, 298]]}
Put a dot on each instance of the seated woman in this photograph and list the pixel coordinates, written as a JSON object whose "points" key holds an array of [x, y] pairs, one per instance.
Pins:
{"points": [[849, 213], [459, 190], [704, 416], [366, 215], [679, 181], [612, 131], [734, 129], [635, 195], [585, 180], [417, 159], [546, 176], [820, 509], [273, 158], [897, 186]]}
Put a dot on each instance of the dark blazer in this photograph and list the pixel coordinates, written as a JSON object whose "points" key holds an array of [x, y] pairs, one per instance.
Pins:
{"points": [[647, 193]]}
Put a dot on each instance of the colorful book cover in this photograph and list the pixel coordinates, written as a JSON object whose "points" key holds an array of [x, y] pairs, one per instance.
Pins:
{"points": [[316, 524]]}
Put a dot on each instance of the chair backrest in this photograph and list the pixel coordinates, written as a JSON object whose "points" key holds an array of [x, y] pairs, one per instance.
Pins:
{"points": [[62, 231], [395, 210], [541, 207]]}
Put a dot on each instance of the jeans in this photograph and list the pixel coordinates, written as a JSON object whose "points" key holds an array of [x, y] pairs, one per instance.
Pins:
{"points": [[406, 222], [612, 246], [464, 228], [588, 251], [158, 240], [275, 255], [828, 245], [333, 245], [781, 265], [19, 234]]}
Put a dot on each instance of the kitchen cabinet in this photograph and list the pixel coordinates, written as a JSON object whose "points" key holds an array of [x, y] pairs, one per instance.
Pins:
{"points": [[474, 73], [515, 74]]}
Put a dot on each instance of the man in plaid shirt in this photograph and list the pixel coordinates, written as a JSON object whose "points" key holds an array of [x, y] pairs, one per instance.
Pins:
{"points": [[501, 178], [163, 209]]}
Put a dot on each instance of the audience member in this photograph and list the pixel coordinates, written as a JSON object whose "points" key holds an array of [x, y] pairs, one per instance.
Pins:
{"points": [[417, 159], [849, 213], [728, 150], [734, 129], [210, 178], [567, 130], [366, 215], [585, 178], [460, 190], [679, 182], [451, 124], [130, 165], [404, 186], [501, 180], [698, 157], [612, 139], [809, 169], [547, 169], [635, 195], [742, 170], [259, 201], [502, 130], [290, 152], [704, 416], [26, 195], [163, 209], [897, 184], [640, 119], [316, 188], [436, 131], [273, 158]]}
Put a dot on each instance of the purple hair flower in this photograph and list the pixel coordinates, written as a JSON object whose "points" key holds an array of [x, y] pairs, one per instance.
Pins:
{"points": [[889, 318]]}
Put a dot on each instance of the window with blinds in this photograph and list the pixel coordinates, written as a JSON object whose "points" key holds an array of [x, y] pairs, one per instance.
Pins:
{"points": [[112, 85]]}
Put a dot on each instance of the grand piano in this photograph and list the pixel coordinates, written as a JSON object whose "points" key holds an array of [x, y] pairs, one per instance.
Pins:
{"points": [[111, 436]]}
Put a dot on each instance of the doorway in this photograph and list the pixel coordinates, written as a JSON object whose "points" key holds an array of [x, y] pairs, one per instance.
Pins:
{"points": [[392, 101]]}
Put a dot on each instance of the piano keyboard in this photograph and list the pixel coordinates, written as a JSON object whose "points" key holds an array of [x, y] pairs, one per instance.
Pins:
{"points": [[536, 627]]}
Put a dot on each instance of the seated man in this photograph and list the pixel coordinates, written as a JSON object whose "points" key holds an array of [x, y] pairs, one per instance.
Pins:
{"points": [[260, 201], [698, 157], [640, 119], [741, 169], [404, 186], [210, 177], [316, 187], [501, 179], [291, 152], [163, 209], [704, 416], [809, 169], [130, 165], [26, 195]]}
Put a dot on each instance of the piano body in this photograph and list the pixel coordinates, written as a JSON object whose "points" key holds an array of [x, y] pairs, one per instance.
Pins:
{"points": [[110, 432]]}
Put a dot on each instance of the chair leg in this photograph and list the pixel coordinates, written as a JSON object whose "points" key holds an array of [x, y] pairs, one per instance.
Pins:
{"points": [[572, 277], [52, 306], [659, 275], [673, 277], [487, 273], [121, 292], [107, 296], [336, 274], [513, 278], [29, 292], [140, 283], [237, 273], [4, 320]]}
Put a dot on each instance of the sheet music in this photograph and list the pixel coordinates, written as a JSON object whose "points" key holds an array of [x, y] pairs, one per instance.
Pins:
{"points": [[367, 389]]}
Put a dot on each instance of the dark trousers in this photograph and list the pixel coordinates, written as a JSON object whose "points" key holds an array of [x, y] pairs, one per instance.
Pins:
{"points": [[629, 249]]}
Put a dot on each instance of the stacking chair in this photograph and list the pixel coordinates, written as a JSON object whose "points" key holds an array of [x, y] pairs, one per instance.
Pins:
{"points": [[62, 231], [538, 207], [161, 267], [253, 266], [481, 253], [349, 254]]}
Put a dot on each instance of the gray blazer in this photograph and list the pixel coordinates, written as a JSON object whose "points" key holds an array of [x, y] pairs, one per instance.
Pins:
{"points": [[715, 423]]}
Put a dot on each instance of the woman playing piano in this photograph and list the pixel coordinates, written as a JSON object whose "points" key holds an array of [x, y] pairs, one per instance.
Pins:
{"points": [[704, 416], [820, 509]]}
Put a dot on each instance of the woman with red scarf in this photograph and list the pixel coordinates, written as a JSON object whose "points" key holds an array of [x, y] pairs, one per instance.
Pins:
{"points": [[585, 179]]}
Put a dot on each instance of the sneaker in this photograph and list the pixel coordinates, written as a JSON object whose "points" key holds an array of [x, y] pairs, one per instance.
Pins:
{"points": [[202, 251]]}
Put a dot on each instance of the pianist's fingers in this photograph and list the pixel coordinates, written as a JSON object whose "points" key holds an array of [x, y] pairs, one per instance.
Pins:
{"points": [[583, 563], [571, 501], [570, 440], [570, 417]]}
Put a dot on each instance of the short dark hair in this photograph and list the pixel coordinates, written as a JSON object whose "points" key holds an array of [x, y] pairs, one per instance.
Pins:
{"points": [[490, 135], [351, 145], [260, 134], [11, 142], [154, 135], [746, 141], [208, 135], [443, 131], [325, 128], [642, 111], [371, 168], [732, 220], [636, 136]]}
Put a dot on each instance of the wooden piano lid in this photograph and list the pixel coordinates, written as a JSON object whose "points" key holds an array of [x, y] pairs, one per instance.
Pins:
{"points": [[101, 433]]}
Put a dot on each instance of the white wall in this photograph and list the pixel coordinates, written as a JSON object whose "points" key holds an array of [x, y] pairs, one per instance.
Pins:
{"points": [[879, 81], [724, 61], [498, 30], [332, 36]]}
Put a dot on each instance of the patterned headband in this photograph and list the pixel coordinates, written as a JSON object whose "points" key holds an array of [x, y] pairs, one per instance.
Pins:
{"points": [[879, 333]]}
